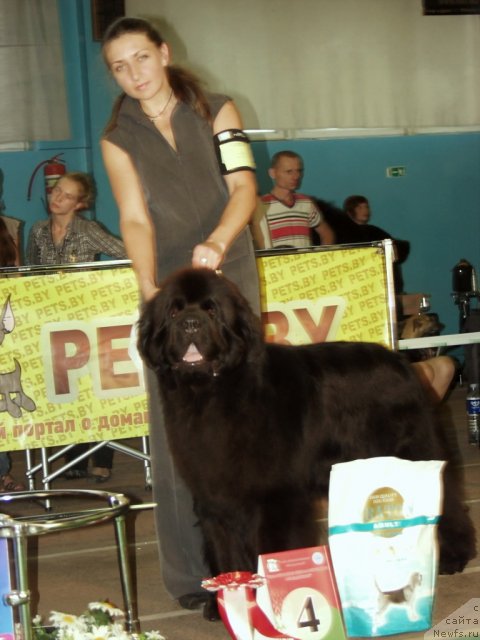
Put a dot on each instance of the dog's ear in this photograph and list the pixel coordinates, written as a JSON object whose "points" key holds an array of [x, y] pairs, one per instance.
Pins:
{"points": [[253, 333], [418, 323], [150, 334], [248, 329]]}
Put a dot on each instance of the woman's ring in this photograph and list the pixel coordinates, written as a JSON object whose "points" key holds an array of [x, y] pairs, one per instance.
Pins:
{"points": [[203, 260]]}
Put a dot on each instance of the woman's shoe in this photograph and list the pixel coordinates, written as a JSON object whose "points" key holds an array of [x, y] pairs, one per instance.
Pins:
{"points": [[75, 474], [193, 600], [101, 474], [9, 484]]}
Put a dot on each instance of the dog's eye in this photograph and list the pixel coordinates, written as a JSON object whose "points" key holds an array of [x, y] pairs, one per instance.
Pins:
{"points": [[176, 306], [174, 310], [210, 307]]}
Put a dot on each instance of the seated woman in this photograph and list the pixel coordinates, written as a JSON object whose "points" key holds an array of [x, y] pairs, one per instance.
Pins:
{"points": [[66, 236]]}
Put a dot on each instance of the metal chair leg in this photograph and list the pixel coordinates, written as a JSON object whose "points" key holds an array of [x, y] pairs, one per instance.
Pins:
{"points": [[147, 462], [131, 615], [20, 598]]}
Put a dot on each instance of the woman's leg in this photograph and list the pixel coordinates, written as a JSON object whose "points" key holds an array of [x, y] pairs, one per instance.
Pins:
{"points": [[179, 537], [79, 470]]}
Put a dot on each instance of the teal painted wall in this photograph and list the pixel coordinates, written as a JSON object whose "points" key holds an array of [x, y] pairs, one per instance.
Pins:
{"points": [[436, 206], [18, 167]]}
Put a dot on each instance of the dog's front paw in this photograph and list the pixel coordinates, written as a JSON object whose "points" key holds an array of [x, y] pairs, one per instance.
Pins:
{"points": [[454, 560], [210, 609], [458, 543], [448, 566]]}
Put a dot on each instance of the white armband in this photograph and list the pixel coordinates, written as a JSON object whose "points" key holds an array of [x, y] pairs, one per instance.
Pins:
{"points": [[233, 150]]}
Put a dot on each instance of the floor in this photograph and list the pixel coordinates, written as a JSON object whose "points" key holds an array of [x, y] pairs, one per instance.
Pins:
{"points": [[71, 568]]}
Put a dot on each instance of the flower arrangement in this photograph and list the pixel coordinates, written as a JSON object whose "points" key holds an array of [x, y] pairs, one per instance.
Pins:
{"points": [[98, 622]]}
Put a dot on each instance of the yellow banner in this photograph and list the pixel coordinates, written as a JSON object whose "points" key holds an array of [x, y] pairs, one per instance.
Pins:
{"points": [[69, 371], [66, 371], [327, 294]]}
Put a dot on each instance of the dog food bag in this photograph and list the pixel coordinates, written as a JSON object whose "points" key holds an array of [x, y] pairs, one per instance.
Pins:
{"points": [[382, 521]]}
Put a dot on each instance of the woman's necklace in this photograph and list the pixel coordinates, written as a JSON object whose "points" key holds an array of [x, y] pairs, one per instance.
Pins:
{"points": [[160, 113]]}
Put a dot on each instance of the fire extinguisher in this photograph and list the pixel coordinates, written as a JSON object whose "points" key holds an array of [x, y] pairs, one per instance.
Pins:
{"points": [[53, 169]]}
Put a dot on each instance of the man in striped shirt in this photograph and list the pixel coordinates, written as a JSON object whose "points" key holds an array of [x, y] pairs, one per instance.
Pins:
{"points": [[290, 216]]}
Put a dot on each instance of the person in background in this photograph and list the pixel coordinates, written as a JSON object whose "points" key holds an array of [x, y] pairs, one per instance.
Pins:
{"points": [[8, 484], [437, 373], [13, 227], [357, 208], [9, 254], [290, 216], [8, 258], [180, 204], [67, 237]]}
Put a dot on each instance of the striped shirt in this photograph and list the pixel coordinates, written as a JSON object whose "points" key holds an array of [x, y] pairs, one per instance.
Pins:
{"points": [[291, 226]]}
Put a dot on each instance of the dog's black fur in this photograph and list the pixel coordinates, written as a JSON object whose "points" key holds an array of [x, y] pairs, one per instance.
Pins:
{"points": [[254, 428]]}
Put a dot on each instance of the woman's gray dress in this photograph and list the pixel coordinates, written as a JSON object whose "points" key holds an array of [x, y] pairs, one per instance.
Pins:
{"points": [[186, 195]]}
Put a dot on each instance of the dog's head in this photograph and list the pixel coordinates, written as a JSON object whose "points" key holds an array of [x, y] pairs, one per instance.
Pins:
{"points": [[420, 325], [199, 324]]}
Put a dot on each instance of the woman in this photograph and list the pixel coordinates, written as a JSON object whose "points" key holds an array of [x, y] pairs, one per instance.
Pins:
{"points": [[178, 206], [9, 254], [66, 236]]}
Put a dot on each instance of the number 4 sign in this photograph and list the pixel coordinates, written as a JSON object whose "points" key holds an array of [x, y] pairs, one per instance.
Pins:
{"points": [[300, 594]]}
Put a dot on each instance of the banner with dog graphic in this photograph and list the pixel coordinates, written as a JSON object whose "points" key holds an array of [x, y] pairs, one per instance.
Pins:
{"points": [[70, 373], [67, 373], [328, 293]]}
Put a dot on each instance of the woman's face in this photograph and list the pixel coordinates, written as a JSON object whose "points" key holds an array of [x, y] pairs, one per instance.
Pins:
{"points": [[361, 213], [65, 197], [137, 64]]}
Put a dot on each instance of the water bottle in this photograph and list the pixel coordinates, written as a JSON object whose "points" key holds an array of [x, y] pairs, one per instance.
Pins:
{"points": [[473, 414]]}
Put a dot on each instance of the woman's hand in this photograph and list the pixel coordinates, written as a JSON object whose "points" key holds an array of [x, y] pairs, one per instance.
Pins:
{"points": [[148, 291], [208, 254]]}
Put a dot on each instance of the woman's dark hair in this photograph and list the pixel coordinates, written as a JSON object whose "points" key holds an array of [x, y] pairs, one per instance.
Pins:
{"points": [[186, 86], [352, 202], [8, 248]]}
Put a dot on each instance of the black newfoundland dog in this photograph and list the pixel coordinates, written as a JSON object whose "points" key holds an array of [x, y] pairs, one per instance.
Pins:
{"points": [[254, 428]]}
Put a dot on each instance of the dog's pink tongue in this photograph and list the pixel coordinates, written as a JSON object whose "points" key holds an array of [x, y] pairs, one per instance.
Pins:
{"points": [[192, 354]]}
